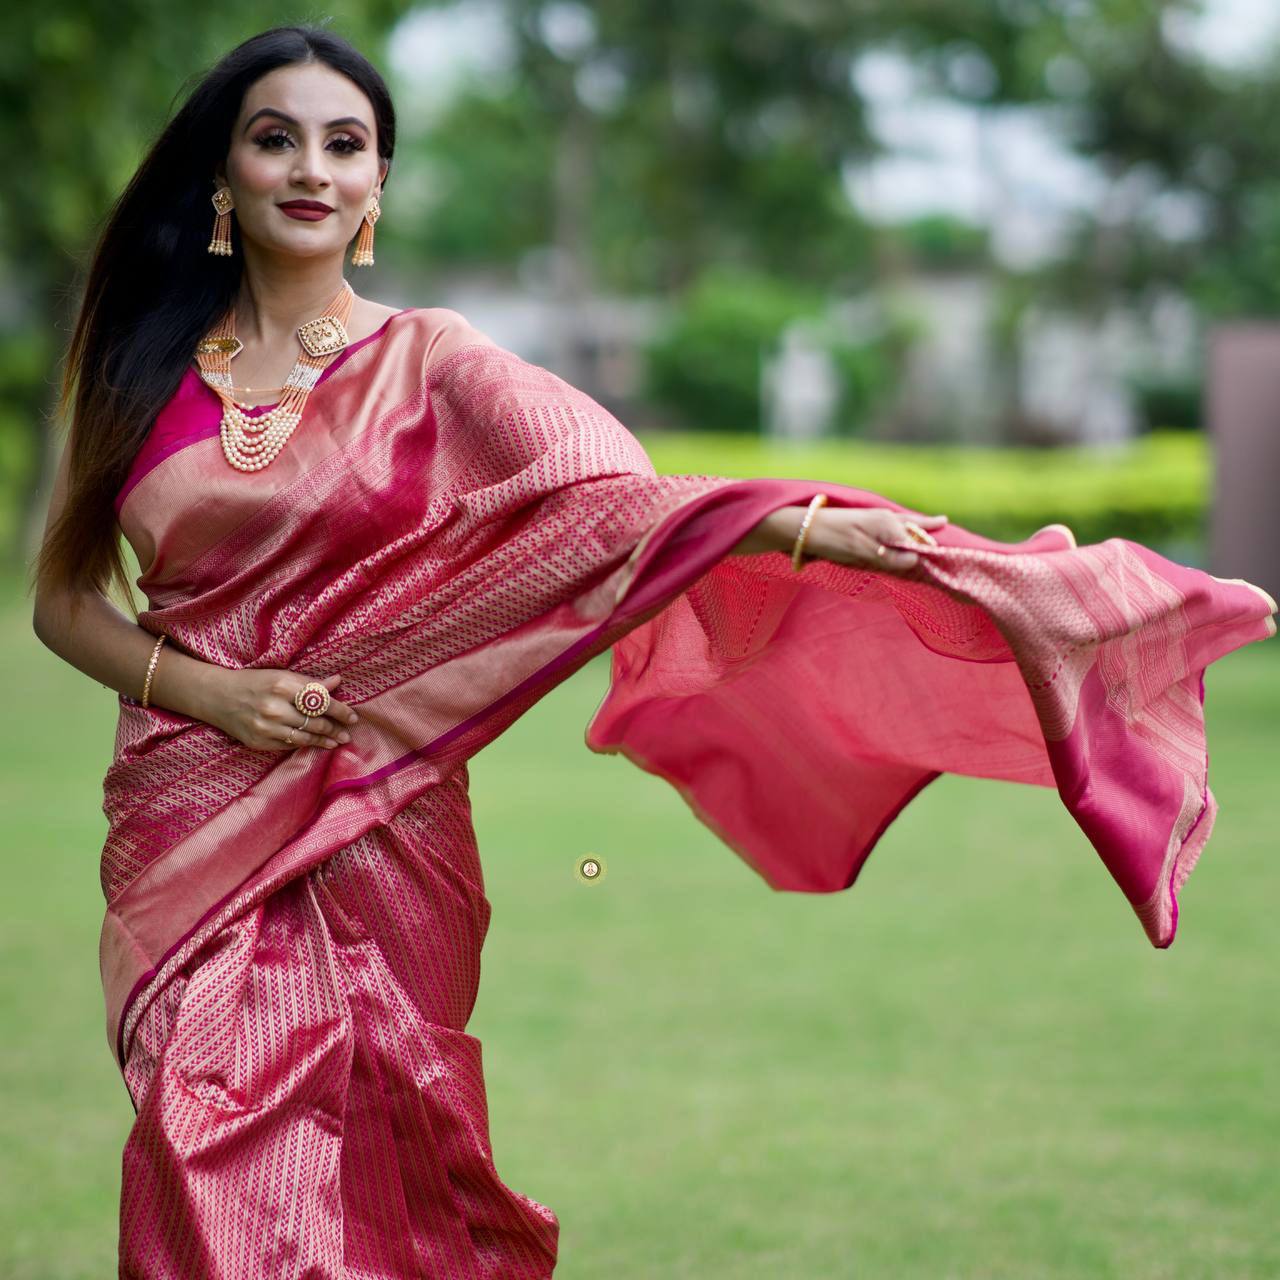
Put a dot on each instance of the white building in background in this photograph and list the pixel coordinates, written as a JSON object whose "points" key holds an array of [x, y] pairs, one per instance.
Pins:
{"points": [[1007, 170], [1070, 380], [1073, 379], [1077, 376], [950, 388], [799, 387]]}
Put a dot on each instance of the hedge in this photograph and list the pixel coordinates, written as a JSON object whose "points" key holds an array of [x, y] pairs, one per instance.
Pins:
{"points": [[1154, 489]]}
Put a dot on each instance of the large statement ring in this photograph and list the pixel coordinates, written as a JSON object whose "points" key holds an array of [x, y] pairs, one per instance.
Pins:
{"points": [[312, 699]]}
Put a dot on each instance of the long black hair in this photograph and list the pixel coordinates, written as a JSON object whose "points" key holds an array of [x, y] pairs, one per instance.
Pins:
{"points": [[153, 291]]}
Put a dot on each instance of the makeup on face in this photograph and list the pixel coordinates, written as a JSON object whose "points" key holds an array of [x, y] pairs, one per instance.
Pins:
{"points": [[275, 138], [315, 154], [304, 211]]}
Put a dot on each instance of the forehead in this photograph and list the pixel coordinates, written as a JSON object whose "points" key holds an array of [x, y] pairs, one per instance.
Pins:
{"points": [[305, 90]]}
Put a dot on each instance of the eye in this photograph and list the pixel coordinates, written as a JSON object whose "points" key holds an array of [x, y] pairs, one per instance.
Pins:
{"points": [[347, 143]]}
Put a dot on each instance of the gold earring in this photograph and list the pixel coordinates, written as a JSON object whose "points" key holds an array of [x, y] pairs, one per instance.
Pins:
{"points": [[363, 256], [221, 242]]}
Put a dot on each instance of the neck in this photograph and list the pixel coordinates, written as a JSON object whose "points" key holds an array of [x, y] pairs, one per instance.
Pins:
{"points": [[278, 294]]}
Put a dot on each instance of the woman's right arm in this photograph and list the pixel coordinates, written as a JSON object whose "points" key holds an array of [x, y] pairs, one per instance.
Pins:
{"points": [[253, 706], [111, 649], [106, 645]]}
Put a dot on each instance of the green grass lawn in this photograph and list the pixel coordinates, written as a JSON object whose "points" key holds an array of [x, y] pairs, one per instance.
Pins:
{"points": [[972, 1064]]}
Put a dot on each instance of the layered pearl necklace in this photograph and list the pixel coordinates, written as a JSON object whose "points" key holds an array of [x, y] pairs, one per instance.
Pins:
{"points": [[252, 443]]}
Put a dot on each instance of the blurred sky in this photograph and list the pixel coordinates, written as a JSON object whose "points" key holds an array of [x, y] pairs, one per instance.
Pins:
{"points": [[1003, 169]]}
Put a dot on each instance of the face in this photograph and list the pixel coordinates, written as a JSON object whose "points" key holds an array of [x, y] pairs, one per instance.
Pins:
{"points": [[304, 132]]}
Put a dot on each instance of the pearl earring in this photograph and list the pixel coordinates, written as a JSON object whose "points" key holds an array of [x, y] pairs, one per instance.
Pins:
{"points": [[221, 242], [363, 256]]}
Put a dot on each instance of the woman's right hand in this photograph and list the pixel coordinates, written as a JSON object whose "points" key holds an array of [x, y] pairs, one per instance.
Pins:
{"points": [[255, 706]]}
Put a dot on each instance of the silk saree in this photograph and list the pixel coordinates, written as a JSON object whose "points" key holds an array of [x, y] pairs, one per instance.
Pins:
{"points": [[291, 945]]}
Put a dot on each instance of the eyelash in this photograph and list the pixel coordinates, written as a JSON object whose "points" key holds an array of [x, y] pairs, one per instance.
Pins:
{"points": [[263, 139]]}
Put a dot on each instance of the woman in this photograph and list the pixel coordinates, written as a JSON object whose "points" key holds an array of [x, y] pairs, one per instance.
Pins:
{"points": [[365, 565]]}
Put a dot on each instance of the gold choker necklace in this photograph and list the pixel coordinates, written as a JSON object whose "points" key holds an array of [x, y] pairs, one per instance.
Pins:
{"points": [[252, 443]]}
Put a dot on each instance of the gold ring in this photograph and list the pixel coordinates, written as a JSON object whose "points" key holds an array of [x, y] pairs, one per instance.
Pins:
{"points": [[919, 534], [312, 699]]}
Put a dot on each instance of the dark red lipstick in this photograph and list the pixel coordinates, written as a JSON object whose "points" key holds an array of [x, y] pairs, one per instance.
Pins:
{"points": [[308, 210]]}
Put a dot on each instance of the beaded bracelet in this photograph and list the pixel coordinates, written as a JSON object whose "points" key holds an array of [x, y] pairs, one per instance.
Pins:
{"points": [[151, 667], [818, 500]]}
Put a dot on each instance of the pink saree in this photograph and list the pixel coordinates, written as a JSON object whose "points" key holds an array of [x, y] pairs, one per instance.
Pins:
{"points": [[291, 947]]}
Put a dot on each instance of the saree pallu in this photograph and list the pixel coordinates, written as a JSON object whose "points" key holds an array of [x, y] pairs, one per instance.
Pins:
{"points": [[291, 945]]}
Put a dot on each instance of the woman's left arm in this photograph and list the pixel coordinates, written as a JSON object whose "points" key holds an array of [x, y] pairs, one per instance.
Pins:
{"points": [[845, 535]]}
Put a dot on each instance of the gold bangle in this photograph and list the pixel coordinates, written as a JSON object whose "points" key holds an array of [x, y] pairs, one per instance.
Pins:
{"points": [[151, 668], [818, 500]]}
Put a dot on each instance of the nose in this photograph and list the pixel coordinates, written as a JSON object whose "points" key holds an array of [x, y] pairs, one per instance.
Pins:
{"points": [[311, 168]]}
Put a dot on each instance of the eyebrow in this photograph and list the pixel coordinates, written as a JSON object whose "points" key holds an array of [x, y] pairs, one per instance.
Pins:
{"points": [[271, 111]]}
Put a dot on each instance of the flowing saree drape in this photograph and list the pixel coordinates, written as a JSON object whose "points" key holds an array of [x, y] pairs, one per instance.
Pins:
{"points": [[291, 944]]}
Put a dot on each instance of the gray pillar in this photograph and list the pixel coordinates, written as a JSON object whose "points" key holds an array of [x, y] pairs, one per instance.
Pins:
{"points": [[1243, 402]]}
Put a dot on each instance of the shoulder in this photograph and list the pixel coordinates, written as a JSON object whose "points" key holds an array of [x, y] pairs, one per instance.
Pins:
{"points": [[442, 331]]}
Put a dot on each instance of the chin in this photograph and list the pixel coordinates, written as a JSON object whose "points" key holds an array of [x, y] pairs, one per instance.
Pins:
{"points": [[303, 248]]}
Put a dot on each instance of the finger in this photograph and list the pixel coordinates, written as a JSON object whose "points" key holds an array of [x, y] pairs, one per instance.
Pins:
{"points": [[329, 682], [319, 731], [328, 731], [292, 736], [915, 532], [326, 727], [883, 556], [307, 738], [342, 711], [892, 558]]}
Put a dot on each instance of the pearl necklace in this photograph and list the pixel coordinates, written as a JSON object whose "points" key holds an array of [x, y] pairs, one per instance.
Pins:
{"points": [[250, 444]]}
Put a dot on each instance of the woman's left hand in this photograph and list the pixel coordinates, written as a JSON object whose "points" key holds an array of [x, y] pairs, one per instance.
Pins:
{"points": [[851, 535]]}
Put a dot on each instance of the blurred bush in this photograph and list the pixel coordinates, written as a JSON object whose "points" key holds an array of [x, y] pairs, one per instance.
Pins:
{"points": [[704, 368], [26, 355], [1154, 490], [870, 370], [1169, 402], [939, 241]]}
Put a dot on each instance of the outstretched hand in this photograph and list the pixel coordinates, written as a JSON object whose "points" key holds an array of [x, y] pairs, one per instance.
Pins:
{"points": [[851, 535]]}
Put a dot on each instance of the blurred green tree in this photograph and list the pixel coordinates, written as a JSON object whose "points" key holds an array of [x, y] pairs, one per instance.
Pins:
{"points": [[680, 134], [646, 141], [1185, 145], [639, 142]]}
